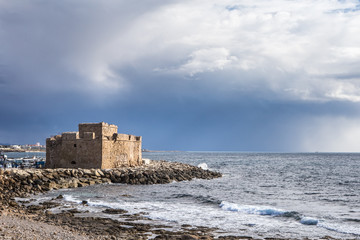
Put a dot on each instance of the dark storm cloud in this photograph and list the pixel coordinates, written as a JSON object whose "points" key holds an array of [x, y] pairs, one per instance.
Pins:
{"points": [[189, 75], [57, 46]]}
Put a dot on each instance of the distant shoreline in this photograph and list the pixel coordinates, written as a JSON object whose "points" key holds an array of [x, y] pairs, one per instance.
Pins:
{"points": [[20, 150], [146, 150]]}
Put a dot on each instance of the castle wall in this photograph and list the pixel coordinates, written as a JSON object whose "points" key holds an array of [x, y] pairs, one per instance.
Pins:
{"points": [[89, 154], [100, 129], [69, 151], [96, 145], [53, 151], [124, 150]]}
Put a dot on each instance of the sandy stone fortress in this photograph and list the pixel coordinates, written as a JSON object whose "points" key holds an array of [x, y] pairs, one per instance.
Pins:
{"points": [[96, 145]]}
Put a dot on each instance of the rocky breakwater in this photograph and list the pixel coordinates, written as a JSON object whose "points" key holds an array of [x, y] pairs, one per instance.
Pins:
{"points": [[22, 183]]}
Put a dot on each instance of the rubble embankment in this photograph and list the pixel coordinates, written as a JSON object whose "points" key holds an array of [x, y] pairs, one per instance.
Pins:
{"points": [[23, 182], [11, 150]]}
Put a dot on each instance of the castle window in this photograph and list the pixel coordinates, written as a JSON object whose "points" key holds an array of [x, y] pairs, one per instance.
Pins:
{"points": [[73, 162], [74, 145]]}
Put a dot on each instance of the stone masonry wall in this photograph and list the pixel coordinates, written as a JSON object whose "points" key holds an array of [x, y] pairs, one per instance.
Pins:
{"points": [[96, 145], [100, 129], [124, 150], [77, 153]]}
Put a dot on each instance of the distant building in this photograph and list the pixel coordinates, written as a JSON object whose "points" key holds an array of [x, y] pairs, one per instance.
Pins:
{"points": [[96, 145]]}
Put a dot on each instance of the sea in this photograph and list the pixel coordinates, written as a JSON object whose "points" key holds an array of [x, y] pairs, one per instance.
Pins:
{"points": [[261, 195]]}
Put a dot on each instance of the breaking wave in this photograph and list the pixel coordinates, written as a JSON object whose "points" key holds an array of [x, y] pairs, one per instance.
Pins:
{"points": [[258, 210], [270, 211], [203, 166], [70, 198], [309, 221]]}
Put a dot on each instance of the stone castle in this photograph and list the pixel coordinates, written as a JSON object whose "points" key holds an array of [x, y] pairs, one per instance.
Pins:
{"points": [[96, 145]]}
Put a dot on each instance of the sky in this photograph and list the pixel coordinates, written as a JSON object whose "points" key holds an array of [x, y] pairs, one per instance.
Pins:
{"points": [[196, 75]]}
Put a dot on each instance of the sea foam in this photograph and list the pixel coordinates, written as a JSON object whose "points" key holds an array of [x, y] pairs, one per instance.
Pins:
{"points": [[249, 209], [114, 205], [340, 228], [70, 198], [203, 166]]}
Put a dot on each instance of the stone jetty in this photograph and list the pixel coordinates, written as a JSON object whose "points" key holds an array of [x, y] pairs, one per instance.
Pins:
{"points": [[23, 182]]}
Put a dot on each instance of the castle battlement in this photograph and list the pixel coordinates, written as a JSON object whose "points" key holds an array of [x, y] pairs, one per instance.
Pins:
{"points": [[95, 145]]}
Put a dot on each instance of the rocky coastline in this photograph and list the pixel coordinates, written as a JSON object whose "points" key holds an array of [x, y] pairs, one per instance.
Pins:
{"points": [[20, 183]]}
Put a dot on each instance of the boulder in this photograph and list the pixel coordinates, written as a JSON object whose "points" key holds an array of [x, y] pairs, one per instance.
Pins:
{"points": [[114, 211]]}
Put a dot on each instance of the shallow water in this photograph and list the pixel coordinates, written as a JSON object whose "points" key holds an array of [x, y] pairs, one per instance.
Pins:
{"points": [[291, 195]]}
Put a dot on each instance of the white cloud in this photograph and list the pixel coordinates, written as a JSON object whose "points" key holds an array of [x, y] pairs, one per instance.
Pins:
{"points": [[348, 91], [285, 44], [293, 49], [207, 60]]}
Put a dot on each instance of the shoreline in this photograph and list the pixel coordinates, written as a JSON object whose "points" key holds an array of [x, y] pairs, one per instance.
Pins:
{"points": [[19, 150], [51, 219], [16, 183]]}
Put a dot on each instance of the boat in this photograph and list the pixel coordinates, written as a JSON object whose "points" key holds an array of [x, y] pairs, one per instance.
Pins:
{"points": [[3, 160], [23, 162]]}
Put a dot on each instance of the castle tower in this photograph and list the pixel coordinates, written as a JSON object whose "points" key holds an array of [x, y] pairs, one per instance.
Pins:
{"points": [[96, 145]]}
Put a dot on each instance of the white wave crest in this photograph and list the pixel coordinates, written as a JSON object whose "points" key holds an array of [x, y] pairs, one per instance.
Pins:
{"points": [[203, 166], [114, 205], [309, 221], [249, 209], [70, 198]]}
